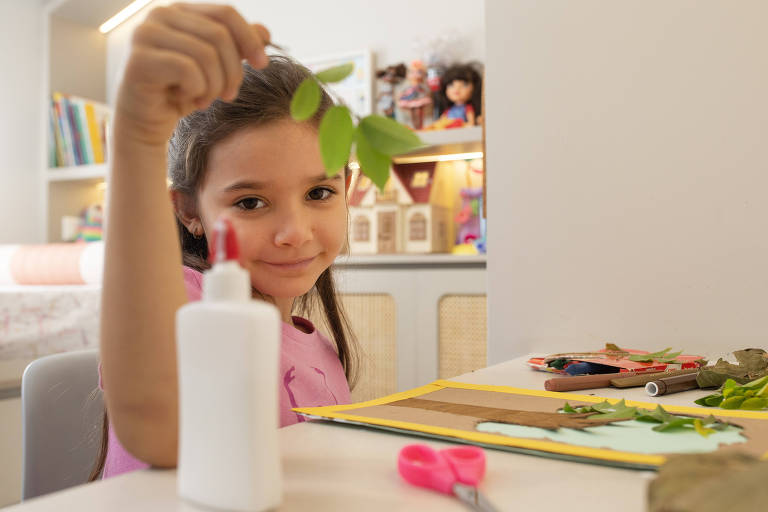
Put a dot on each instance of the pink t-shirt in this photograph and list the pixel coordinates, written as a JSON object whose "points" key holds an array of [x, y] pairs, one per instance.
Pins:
{"points": [[310, 375]]}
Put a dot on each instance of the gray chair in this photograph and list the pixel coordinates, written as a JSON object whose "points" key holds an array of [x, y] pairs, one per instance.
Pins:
{"points": [[61, 422]]}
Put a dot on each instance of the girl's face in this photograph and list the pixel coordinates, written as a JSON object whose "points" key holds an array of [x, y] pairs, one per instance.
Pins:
{"points": [[459, 91], [290, 219]]}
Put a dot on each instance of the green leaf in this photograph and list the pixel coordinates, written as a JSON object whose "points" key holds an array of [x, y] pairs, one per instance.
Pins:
{"points": [[678, 422], [567, 408], [647, 358], [336, 73], [604, 406], [754, 404], [335, 134], [733, 402], [710, 400], [619, 414], [387, 136], [305, 100], [703, 431], [373, 164]]}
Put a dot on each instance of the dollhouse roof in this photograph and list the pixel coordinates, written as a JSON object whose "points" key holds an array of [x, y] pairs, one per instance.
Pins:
{"points": [[365, 193], [362, 187], [417, 179]]}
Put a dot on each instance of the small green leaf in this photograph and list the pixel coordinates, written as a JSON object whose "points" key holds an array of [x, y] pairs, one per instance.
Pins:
{"points": [[387, 136], [604, 406], [619, 414], [754, 404], [567, 408], [335, 133], [305, 100], [733, 402], [676, 423], [647, 358], [373, 164], [703, 431], [336, 73]]}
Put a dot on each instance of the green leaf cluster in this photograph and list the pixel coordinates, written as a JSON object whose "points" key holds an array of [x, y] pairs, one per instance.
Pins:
{"points": [[666, 422], [376, 138], [734, 395]]}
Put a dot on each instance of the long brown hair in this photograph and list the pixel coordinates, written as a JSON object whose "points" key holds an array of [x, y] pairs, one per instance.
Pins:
{"points": [[264, 97]]}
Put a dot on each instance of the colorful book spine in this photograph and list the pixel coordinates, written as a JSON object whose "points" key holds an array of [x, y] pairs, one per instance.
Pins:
{"points": [[94, 133], [78, 131]]}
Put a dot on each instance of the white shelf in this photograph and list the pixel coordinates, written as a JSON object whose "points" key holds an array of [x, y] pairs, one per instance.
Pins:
{"points": [[412, 260], [452, 136], [76, 173]]}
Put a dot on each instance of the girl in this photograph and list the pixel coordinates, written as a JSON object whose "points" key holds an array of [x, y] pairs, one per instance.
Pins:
{"points": [[243, 156]]}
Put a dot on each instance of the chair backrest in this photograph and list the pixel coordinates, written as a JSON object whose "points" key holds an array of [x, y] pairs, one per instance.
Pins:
{"points": [[61, 423]]}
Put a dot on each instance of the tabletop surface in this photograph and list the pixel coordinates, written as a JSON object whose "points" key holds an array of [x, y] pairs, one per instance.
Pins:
{"points": [[339, 467]]}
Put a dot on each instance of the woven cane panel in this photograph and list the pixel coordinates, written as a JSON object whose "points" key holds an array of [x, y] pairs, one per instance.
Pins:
{"points": [[372, 319], [462, 334]]}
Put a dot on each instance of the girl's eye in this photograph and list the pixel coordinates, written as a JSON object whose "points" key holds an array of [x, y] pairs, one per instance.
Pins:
{"points": [[320, 194], [250, 203]]}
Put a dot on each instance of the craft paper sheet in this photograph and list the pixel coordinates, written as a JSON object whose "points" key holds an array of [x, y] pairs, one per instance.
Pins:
{"points": [[468, 412]]}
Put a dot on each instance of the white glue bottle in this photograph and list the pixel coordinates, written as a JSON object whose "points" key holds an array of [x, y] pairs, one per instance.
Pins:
{"points": [[228, 354]]}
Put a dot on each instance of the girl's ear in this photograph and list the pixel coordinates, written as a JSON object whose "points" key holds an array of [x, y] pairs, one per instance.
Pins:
{"points": [[185, 210], [347, 182]]}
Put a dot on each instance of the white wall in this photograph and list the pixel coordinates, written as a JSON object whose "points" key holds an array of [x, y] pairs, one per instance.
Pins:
{"points": [[312, 29], [627, 174], [21, 53]]}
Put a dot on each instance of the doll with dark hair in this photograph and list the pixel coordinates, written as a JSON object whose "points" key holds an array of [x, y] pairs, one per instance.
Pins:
{"points": [[460, 98]]}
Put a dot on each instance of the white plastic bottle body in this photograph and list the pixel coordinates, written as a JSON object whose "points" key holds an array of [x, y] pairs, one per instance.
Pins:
{"points": [[228, 356]]}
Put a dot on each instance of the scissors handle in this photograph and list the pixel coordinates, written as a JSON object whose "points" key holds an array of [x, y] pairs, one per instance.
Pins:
{"points": [[421, 465], [467, 462]]}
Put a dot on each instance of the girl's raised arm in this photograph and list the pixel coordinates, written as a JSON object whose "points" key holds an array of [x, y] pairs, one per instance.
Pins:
{"points": [[182, 58]]}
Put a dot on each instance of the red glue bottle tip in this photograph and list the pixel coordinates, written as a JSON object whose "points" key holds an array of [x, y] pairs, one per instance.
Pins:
{"points": [[224, 246]]}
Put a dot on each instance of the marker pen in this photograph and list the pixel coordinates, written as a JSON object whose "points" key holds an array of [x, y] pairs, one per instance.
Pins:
{"points": [[669, 385]]}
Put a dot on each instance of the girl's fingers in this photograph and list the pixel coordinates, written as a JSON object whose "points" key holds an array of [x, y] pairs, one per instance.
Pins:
{"points": [[157, 36], [248, 38], [160, 67], [213, 34]]}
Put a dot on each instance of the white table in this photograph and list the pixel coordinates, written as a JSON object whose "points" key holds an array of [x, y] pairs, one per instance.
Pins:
{"points": [[334, 467]]}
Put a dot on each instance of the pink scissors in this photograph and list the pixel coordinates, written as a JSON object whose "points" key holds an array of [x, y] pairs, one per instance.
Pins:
{"points": [[455, 471]]}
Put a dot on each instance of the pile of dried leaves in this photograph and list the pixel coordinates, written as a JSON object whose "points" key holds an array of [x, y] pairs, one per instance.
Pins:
{"points": [[753, 364]]}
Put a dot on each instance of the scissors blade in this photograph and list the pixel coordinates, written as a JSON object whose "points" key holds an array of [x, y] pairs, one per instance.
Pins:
{"points": [[473, 498]]}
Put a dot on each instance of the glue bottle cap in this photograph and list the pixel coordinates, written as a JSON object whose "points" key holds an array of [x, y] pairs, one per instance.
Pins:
{"points": [[224, 242]]}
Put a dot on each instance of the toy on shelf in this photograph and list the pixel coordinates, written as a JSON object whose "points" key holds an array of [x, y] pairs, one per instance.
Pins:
{"points": [[389, 78], [469, 229], [416, 99], [91, 224], [401, 218], [460, 99]]}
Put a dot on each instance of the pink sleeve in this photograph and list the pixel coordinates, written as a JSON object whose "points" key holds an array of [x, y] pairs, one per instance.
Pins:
{"points": [[193, 281]]}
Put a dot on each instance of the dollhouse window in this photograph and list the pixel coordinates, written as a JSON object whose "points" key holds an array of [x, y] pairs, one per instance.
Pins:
{"points": [[361, 231], [418, 227]]}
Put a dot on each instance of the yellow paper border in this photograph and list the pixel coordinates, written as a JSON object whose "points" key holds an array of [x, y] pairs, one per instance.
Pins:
{"points": [[337, 412]]}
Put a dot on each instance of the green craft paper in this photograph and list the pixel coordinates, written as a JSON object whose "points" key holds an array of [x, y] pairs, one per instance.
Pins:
{"points": [[627, 436]]}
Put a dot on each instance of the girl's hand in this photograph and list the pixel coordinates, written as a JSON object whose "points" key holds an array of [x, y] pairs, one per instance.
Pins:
{"points": [[182, 58]]}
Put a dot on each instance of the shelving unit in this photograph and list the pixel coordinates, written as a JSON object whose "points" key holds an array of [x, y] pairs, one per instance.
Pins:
{"points": [[74, 62]]}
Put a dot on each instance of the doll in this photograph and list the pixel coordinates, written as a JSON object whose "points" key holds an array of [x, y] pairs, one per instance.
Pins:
{"points": [[416, 98], [390, 76], [460, 98]]}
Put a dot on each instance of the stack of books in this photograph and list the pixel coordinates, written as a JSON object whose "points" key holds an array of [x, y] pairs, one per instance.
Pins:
{"points": [[78, 131]]}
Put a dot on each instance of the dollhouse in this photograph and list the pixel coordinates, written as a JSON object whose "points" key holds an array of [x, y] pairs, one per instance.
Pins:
{"points": [[401, 218]]}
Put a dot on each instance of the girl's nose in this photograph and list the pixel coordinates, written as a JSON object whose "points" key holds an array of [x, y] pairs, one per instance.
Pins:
{"points": [[294, 228]]}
